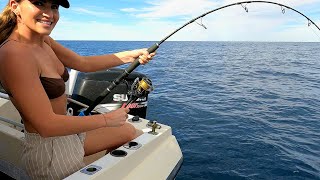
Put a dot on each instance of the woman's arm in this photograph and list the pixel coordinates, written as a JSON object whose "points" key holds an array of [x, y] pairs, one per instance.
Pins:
{"points": [[96, 63], [20, 76]]}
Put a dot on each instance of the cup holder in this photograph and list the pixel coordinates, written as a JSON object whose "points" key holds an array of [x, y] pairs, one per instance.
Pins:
{"points": [[132, 145], [118, 153], [135, 119], [91, 169]]}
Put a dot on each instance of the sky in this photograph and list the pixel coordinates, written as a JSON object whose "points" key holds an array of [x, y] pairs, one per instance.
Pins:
{"points": [[152, 20]]}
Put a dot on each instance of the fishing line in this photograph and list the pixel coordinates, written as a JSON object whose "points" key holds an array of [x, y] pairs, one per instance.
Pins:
{"points": [[154, 47], [315, 33], [309, 23], [201, 24]]}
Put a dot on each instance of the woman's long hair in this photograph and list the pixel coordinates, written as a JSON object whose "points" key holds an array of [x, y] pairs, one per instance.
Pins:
{"points": [[8, 21]]}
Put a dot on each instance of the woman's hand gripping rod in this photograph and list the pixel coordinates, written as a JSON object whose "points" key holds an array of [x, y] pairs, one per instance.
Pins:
{"points": [[114, 83]]}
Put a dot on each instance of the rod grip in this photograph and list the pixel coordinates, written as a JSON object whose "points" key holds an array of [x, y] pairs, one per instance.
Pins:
{"points": [[136, 62]]}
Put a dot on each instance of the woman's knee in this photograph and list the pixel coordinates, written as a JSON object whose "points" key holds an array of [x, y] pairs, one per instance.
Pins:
{"points": [[131, 132]]}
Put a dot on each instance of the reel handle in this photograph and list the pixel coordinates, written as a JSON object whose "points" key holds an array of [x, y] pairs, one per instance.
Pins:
{"points": [[131, 100]]}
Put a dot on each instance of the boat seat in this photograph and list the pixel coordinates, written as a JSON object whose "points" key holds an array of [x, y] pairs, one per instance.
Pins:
{"points": [[9, 157]]}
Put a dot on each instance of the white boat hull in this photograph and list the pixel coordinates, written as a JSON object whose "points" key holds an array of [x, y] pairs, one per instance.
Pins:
{"points": [[158, 157]]}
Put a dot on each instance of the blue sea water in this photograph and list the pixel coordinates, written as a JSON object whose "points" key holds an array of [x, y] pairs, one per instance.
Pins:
{"points": [[239, 110]]}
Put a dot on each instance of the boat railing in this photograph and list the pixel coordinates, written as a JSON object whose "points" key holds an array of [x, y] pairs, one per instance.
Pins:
{"points": [[4, 96], [11, 122]]}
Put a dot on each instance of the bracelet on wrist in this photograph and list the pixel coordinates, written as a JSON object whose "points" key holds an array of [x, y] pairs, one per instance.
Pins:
{"points": [[105, 120]]}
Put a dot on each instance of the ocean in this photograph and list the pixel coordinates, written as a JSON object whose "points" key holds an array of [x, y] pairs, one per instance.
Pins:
{"points": [[239, 110]]}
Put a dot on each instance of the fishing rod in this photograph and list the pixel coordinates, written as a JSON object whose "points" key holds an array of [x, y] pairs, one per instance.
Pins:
{"points": [[155, 46]]}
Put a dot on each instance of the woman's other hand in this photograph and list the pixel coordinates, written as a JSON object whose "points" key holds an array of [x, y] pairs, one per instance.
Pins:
{"points": [[117, 117]]}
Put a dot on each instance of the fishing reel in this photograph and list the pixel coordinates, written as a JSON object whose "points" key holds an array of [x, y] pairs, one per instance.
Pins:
{"points": [[139, 89]]}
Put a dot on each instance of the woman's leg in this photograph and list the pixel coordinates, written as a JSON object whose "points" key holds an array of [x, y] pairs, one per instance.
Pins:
{"points": [[109, 138]]}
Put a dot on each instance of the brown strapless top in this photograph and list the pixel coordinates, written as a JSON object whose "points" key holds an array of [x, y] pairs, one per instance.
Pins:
{"points": [[54, 87]]}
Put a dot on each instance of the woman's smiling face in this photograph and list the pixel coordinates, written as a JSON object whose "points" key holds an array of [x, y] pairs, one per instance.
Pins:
{"points": [[39, 16]]}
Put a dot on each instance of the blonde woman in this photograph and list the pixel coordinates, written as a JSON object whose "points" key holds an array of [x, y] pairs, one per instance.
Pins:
{"points": [[33, 72]]}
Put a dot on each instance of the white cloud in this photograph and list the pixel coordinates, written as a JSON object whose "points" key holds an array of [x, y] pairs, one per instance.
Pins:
{"points": [[172, 8], [262, 23], [129, 10], [72, 30], [297, 3], [219, 29], [80, 10]]}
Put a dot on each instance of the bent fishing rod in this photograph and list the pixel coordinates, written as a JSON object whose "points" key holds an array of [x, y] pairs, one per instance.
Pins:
{"points": [[154, 47]]}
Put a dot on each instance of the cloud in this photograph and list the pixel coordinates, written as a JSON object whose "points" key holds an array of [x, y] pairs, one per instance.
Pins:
{"points": [[190, 8], [129, 10], [173, 8], [297, 3], [76, 30], [157, 19], [80, 10], [245, 28]]}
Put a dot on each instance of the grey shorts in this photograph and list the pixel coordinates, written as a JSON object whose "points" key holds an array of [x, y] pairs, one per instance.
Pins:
{"points": [[52, 157]]}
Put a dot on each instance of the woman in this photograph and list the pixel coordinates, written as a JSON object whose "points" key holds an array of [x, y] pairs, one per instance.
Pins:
{"points": [[33, 72]]}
